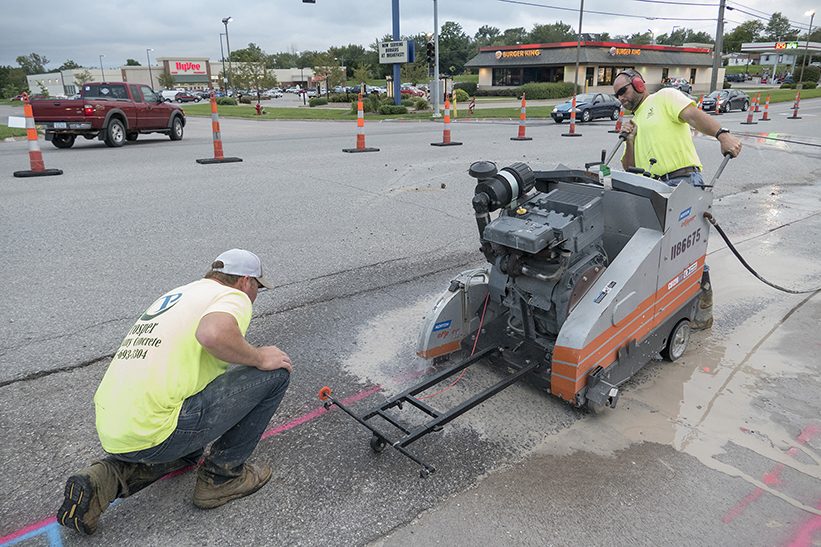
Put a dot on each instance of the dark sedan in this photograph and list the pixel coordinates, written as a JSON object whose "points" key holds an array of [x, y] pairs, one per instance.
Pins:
{"points": [[728, 99], [589, 106]]}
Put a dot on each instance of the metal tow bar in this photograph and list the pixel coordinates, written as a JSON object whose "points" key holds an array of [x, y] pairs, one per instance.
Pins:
{"points": [[381, 439]]}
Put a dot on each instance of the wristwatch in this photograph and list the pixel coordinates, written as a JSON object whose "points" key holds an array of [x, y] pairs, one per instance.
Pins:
{"points": [[722, 130]]}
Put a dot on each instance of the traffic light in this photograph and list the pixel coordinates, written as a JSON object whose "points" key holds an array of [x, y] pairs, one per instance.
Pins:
{"points": [[431, 53]]}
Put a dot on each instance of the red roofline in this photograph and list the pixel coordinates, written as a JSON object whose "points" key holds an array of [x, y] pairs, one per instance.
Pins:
{"points": [[597, 44]]}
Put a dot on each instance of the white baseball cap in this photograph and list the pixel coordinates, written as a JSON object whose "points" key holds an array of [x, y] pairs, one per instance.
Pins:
{"points": [[240, 262]]}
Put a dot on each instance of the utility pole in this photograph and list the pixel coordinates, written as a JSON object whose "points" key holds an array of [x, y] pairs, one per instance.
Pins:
{"points": [[718, 46], [436, 113], [578, 49]]}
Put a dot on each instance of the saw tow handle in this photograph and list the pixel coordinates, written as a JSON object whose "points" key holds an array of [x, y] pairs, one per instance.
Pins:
{"points": [[727, 157], [622, 138]]}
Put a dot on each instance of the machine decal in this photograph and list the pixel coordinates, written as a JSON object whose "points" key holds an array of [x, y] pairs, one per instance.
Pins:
{"points": [[685, 213], [682, 276], [604, 292], [441, 326], [685, 244]]}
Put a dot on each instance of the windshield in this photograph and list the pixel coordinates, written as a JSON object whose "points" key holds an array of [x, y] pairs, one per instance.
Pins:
{"points": [[585, 98], [715, 94]]}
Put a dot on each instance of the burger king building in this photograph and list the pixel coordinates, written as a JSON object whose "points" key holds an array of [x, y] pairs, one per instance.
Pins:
{"points": [[599, 62]]}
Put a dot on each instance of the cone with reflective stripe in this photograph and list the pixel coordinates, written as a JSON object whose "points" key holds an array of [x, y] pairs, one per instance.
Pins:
{"points": [[215, 129], [522, 118], [38, 169], [618, 122], [795, 115], [446, 134], [572, 120], [757, 102], [764, 118], [700, 101], [750, 114], [360, 131]]}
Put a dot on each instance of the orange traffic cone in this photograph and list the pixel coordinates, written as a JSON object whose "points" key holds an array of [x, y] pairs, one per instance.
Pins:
{"points": [[700, 101], [522, 114], [446, 134], [572, 120], [215, 129], [764, 118], [38, 169], [618, 122], [757, 102], [795, 115], [750, 111], [360, 130]]}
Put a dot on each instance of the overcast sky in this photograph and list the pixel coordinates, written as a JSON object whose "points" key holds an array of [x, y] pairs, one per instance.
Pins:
{"points": [[82, 31]]}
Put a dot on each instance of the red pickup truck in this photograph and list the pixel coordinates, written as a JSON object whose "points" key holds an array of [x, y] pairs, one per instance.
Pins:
{"points": [[113, 111]]}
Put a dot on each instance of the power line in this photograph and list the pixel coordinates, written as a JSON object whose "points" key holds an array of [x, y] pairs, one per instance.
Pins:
{"points": [[574, 10]]}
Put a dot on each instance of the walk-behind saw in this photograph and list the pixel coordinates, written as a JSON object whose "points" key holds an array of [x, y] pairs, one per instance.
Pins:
{"points": [[587, 280]]}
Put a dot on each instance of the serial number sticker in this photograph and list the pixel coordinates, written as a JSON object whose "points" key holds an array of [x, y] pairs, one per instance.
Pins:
{"points": [[59, 125], [604, 292], [680, 246], [682, 276], [441, 326]]}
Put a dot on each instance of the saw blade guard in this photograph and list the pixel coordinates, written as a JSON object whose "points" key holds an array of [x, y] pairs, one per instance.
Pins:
{"points": [[456, 314]]}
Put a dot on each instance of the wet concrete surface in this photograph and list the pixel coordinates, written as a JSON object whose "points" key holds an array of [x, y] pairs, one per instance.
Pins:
{"points": [[720, 447]]}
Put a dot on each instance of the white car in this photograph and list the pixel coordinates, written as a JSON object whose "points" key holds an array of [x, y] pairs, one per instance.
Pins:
{"points": [[272, 94]]}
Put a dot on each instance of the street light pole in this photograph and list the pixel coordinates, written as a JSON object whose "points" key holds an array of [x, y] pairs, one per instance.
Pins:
{"points": [[436, 113], [224, 74], [102, 72], [811, 13], [228, 45], [150, 79]]}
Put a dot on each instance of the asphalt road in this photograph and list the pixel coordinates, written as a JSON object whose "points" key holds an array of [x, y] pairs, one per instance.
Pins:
{"points": [[721, 447]]}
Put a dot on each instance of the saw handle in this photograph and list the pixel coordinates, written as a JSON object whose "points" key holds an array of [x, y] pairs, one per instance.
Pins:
{"points": [[727, 157]]}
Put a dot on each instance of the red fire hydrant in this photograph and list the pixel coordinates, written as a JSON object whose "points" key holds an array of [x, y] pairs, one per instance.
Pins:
{"points": [[259, 109]]}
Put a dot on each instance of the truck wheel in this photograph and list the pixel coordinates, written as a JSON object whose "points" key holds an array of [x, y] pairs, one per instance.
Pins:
{"points": [[63, 140], [677, 341], [114, 134], [176, 129]]}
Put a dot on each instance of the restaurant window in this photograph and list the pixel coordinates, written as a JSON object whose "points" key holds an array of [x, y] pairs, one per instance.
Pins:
{"points": [[588, 79], [507, 76], [692, 76], [665, 73]]}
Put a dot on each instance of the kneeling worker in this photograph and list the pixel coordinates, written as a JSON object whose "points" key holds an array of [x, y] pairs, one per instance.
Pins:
{"points": [[167, 394], [659, 131]]}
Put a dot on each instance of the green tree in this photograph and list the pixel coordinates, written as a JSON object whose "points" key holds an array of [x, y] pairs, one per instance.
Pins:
{"points": [[69, 65], [513, 36], [749, 31], [252, 54], [82, 78], [327, 66], [32, 63], [43, 89], [487, 36], [417, 72], [362, 73], [640, 39], [548, 34], [454, 46], [254, 76], [132, 62], [166, 80], [12, 81], [778, 29]]}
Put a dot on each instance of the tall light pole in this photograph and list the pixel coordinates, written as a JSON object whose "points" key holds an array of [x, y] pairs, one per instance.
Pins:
{"points": [[811, 13], [436, 113], [578, 49], [148, 58], [102, 73], [304, 91], [224, 74], [228, 45]]}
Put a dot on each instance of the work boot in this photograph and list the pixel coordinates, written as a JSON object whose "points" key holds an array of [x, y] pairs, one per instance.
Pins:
{"points": [[208, 495], [87, 495]]}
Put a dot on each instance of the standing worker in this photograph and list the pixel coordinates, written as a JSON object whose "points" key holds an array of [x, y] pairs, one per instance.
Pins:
{"points": [[658, 137], [167, 394]]}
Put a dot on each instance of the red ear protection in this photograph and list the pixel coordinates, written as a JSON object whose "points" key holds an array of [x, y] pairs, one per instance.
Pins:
{"points": [[635, 80]]}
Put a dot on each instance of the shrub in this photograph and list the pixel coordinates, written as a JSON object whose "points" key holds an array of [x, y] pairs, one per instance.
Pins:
{"points": [[545, 91], [811, 74], [500, 92], [787, 86], [469, 87], [407, 103], [227, 101], [420, 104], [809, 85], [393, 109], [727, 85], [460, 95], [372, 103], [317, 101], [342, 98], [245, 100]]}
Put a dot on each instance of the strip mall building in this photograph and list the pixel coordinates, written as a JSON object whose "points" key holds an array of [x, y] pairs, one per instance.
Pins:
{"points": [[599, 62]]}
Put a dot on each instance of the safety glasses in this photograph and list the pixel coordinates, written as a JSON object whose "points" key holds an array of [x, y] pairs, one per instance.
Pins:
{"points": [[622, 91]]}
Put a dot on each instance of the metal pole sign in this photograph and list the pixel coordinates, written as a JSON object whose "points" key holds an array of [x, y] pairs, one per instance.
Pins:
{"points": [[394, 52]]}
